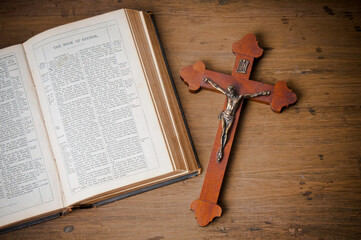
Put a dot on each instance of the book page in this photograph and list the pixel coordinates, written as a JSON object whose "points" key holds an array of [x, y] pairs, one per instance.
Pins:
{"points": [[28, 177], [101, 121]]}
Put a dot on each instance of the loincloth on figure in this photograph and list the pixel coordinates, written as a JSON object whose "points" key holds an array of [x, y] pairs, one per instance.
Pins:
{"points": [[226, 117]]}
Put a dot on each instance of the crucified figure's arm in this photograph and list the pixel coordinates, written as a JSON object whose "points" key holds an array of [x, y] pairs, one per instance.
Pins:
{"points": [[215, 85], [264, 93]]}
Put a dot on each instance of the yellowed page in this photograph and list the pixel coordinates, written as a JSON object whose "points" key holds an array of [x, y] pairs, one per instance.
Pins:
{"points": [[97, 108], [28, 176]]}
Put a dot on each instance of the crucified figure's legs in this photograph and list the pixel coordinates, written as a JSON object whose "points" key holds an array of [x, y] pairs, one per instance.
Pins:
{"points": [[226, 125]]}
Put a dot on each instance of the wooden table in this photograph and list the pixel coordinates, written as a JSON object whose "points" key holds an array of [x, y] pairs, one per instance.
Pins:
{"points": [[295, 175]]}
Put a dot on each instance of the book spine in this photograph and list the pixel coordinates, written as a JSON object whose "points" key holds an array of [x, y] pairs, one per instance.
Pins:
{"points": [[31, 223]]}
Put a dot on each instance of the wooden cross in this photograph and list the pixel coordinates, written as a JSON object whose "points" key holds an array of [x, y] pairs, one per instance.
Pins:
{"points": [[279, 96]]}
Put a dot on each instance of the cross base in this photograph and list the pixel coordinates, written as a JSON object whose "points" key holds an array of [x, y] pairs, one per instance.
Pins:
{"points": [[205, 211]]}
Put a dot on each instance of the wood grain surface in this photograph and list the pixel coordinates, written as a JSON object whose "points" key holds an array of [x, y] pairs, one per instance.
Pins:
{"points": [[295, 175]]}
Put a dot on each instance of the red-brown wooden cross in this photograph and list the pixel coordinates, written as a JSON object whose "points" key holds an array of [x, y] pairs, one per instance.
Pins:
{"points": [[206, 207]]}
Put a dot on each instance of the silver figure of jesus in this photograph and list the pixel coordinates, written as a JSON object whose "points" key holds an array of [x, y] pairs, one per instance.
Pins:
{"points": [[228, 115]]}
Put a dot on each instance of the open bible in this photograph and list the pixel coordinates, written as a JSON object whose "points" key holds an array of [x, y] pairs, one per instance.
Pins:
{"points": [[89, 115]]}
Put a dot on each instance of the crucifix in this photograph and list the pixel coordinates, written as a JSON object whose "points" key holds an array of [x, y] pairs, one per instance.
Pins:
{"points": [[237, 87]]}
